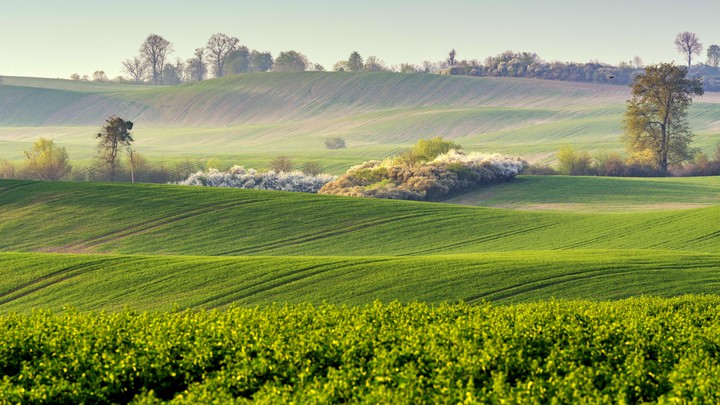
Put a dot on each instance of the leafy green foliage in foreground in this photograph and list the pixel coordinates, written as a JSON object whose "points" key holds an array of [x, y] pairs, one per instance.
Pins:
{"points": [[642, 349]]}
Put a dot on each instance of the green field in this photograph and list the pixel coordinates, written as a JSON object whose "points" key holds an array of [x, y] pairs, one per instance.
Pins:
{"points": [[642, 350], [156, 246], [249, 119]]}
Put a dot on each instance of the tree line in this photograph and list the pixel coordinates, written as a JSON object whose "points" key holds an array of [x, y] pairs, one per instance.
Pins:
{"points": [[224, 55]]}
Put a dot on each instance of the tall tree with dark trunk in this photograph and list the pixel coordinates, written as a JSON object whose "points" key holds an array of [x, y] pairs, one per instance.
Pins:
{"points": [[113, 136], [656, 117], [155, 50], [218, 47], [688, 44]]}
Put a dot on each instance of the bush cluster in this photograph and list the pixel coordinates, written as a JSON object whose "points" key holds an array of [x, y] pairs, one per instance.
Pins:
{"points": [[641, 350], [239, 177], [425, 180], [637, 164]]}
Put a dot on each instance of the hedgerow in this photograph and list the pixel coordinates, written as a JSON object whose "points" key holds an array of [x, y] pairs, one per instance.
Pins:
{"points": [[631, 351], [425, 180], [239, 177]]}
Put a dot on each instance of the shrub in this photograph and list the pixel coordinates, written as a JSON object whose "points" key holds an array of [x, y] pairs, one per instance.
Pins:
{"points": [[573, 162], [47, 161], [8, 170], [312, 168], [282, 164], [239, 177], [335, 143], [446, 173], [610, 164]]}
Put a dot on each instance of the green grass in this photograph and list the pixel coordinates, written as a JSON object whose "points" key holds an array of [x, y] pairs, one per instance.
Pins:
{"points": [[593, 194], [178, 220], [162, 245], [248, 119], [113, 282]]}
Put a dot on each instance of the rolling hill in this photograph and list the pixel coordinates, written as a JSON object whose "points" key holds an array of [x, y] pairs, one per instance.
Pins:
{"points": [[247, 119], [105, 246]]}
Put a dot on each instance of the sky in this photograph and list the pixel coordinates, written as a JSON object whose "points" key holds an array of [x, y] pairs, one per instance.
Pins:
{"points": [[54, 38]]}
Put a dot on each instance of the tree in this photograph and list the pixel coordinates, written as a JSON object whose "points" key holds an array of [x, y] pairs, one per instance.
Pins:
{"points": [[638, 62], [574, 163], [195, 67], [688, 44], [171, 74], [238, 61], [312, 168], [111, 138], [219, 46], [713, 55], [335, 143], [154, 51], [74, 76], [291, 61], [137, 69], [46, 161], [282, 164], [99, 76], [261, 61], [656, 117], [373, 64], [355, 62], [451, 57]]}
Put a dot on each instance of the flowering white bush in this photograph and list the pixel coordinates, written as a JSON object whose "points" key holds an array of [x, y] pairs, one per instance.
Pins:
{"points": [[503, 166], [239, 177], [404, 179]]}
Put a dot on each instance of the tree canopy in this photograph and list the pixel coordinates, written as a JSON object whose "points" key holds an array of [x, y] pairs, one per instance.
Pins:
{"points": [[656, 116]]}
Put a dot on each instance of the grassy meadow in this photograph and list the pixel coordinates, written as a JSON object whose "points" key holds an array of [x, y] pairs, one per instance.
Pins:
{"points": [[249, 119], [99, 246]]}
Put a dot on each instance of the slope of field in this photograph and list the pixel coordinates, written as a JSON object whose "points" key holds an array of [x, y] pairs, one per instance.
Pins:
{"points": [[249, 118], [180, 220], [293, 247], [596, 194], [112, 282]]}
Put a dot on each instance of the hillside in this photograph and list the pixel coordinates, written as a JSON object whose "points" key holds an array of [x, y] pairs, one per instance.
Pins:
{"points": [[249, 118], [105, 246]]}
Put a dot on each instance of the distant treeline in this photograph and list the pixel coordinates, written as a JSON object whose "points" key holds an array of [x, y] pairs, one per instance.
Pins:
{"points": [[224, 55], [530, 65]]}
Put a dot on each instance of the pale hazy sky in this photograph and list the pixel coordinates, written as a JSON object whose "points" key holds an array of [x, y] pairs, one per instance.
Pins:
{"points": [[55, 38]]}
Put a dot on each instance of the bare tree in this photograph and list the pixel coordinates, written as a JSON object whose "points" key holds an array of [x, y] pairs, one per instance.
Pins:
{"points": [[688, 44], [154, 50], [195, 67], [136, 68], [713, 55], [219, 46], [637, 60]]}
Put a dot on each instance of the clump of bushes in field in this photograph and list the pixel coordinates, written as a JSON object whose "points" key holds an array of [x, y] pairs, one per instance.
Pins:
{"points": [[430, 170], [239, 177], [636, 164]]}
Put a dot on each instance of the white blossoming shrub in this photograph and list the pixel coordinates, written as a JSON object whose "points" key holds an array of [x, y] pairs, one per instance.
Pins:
{"points": [[449, 172], [239, 177]]}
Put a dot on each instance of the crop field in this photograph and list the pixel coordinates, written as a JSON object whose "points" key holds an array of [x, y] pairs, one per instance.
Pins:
{"points": [[99, 246], [249, 119], [633, 351]]}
